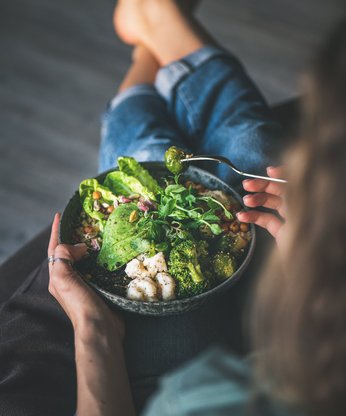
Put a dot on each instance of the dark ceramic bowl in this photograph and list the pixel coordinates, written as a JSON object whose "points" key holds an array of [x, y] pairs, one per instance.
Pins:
{"points": [[171, 307]]}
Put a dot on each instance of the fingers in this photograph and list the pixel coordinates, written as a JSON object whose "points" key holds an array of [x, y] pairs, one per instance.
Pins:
{"points": [[263, 219], [261, 185], [79, 251], [68, 252], [265, 193], [73, 253], [276, 172], [63, 275], [264, 200], [53, 242]]}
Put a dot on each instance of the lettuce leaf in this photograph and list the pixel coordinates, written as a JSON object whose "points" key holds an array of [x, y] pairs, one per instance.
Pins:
{"points": [[86, 189], [122, 241], [131, 167], [122, 184], [90, 185]]}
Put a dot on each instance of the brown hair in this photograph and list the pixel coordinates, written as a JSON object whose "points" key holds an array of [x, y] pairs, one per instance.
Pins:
{"points": [[299, 316]]}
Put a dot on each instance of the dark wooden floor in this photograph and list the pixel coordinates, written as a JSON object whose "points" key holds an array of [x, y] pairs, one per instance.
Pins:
{"points": [[61, 62]]}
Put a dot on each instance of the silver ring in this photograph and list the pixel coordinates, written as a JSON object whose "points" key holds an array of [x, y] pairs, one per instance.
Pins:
{"points": [[62, 260], [51, 259]]}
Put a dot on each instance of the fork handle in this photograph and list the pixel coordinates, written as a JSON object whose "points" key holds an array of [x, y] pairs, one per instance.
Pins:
{"points": [[221, 159], [266, 178]]}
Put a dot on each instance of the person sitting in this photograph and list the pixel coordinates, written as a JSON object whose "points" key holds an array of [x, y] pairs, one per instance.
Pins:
{"points": [[182, 89]]}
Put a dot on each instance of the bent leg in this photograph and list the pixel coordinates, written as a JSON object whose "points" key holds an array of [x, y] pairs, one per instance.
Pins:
{"points": [[216, 104], [209, 94], [137, 124]]}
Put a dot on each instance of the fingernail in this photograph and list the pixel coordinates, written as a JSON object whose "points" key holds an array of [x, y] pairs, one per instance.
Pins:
{"points": [[56, 217], [247, 199], [240, 213]]}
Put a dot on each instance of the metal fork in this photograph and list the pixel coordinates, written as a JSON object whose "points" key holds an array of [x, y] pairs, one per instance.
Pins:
{"points": [[221, 159]]}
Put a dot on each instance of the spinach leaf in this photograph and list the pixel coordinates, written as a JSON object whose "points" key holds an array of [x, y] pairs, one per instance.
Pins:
{"points": [[216, 229], [174, 189], [166, 207], [214, 204], [210, 216]]}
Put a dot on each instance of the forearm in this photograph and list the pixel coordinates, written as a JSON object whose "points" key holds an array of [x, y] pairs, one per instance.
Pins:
{"points": [[102, 381]]}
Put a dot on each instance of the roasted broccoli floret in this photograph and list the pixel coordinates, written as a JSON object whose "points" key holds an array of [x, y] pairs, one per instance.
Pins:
{"points": [[239, 244], [205, 232], [225, 244], [202, 249], [224, 265], [173, 158], [184, 266], [234, 245]]}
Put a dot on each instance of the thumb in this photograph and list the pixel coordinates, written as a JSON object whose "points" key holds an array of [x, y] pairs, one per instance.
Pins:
{"points": [[78, 251]]}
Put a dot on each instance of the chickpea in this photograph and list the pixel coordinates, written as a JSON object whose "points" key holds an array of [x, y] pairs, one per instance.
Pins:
{"points": [[133, 216], [110, 209], [234, 227], [244, 227], [96, 195], [224, 227], [199, 187], [134, 196]]}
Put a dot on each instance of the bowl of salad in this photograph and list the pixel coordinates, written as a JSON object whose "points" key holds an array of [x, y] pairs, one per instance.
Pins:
{"points": [[159, 244]]}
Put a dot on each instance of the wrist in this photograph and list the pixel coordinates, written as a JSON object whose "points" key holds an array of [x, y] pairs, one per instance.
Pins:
{"points": [[92, 324]]}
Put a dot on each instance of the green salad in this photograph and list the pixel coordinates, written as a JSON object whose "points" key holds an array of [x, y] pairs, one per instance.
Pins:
{"points": [[157, 239]]}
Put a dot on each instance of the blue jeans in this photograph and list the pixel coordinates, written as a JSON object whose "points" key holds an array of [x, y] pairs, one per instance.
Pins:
{"points": [[205, 103]]}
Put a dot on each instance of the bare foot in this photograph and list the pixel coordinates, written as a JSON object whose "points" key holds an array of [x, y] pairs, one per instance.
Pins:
{"points": [[132, 18], [160, 25], [128, 20]]}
